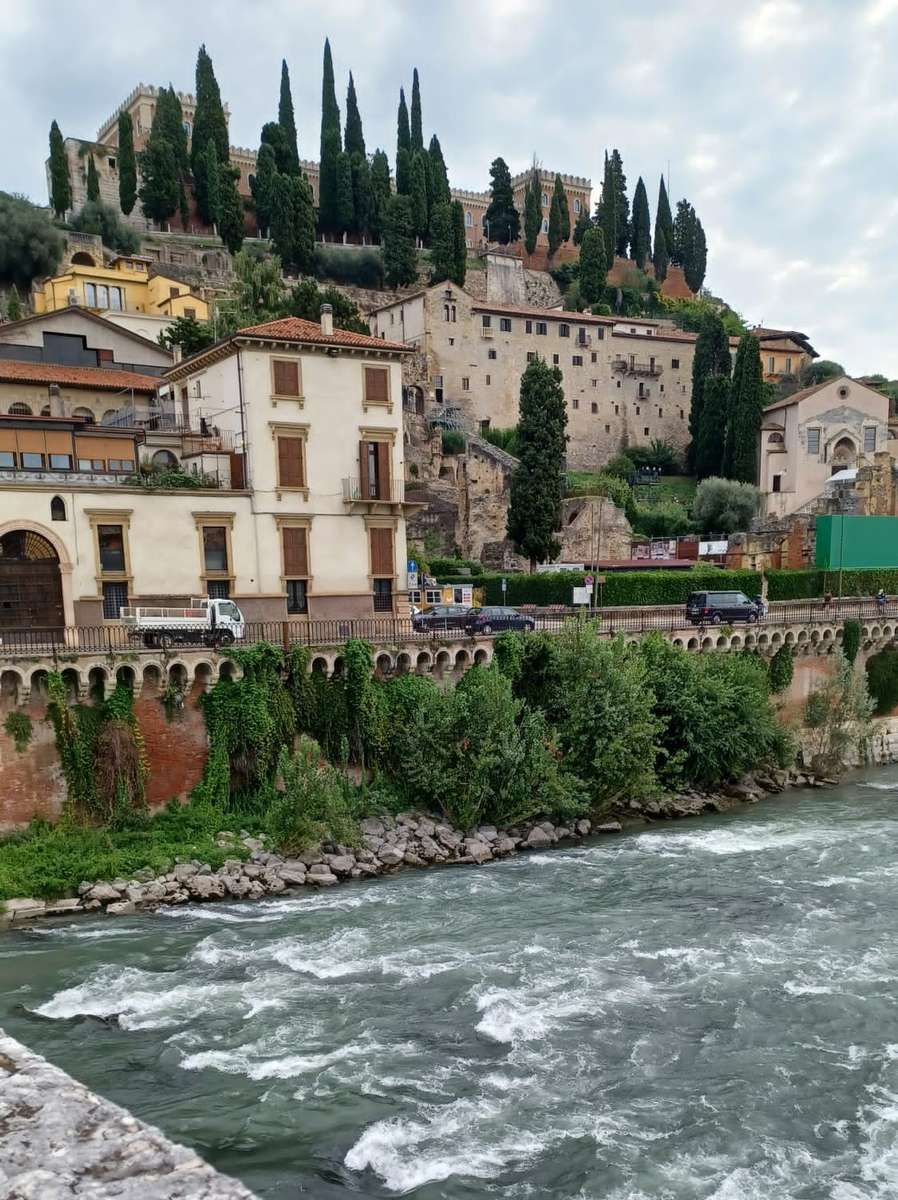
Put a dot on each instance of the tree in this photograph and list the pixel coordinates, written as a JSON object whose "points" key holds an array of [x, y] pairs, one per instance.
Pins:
{"points": [[746, 413], [303, 216], [684, 233], [417, 194], [400, 263], [502, 221], [584, 221], [782, 669], [593, 265], [272, 135], [127, 163], [439, 177], [345, 214], [697, 264], [30, 244], [257, 292], [725, 505], [287, 121], [212, 181], [711, 357], [98, 218], [621, 205], [188, 333], [660, 255], [417, 136], [709, 446], [559, 217], [160, 187], [93, 180], [261, 184], [403, 148], [823, 369], [183, 204], [459, 242], [169, 121], [381, 192], [209, 120], [307, 298], [230, 208], [13, 305], [353, 137], [641, 246], [60, 180], [537, 485], [281, 231], [837, 719], [664, 219], [533, 212], [442, 244], [331, 143], [362, 198], [606, 211]]}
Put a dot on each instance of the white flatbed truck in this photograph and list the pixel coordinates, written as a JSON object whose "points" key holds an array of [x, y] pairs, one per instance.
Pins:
{"points": [[206, 622]]}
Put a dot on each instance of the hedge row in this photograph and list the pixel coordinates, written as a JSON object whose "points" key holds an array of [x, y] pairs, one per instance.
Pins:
{"points": [[452, 566], [621, 588], [808, 585]]}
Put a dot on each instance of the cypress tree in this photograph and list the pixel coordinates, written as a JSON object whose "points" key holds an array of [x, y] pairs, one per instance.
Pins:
{"points": [[381, 192], [712, 429], [93, 181], [183, 204], [424, 157], [502, 219], [537, 485], [593, 265], [417, 136], [303, 217], [684, 234], [362, 199], [418, 195], [664, 219], [746, 413], [230, 208], [696, 265], [606, 212], [533, 212], [660, 256], [287, 120], [403, 148], [209, 120], [211, 175], [712, 357], [60, 181], [460, 245], [439, 177], [642, 230], [272, 135], [170, 116], [261, 185], [584, 222], [161, 178], [555, 220], [400, 261], [442, 244], [345, 206], [353, 138], [13, 304], [621, 205], [282, 230], [565, 210], [331, 142], [127, 164]]}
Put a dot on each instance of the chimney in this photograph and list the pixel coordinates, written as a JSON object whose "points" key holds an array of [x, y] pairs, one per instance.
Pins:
{"points": [[57, 406], [327, 320]]}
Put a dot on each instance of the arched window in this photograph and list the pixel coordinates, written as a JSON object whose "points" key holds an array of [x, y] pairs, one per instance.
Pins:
{"points": [[775, 439], [545, 200], [45, 411], [83, 259], [576, 206], [164, 460], [19, 409], [57, 509], [109, 416], [545, 225], [87, 413], [469, 220]]}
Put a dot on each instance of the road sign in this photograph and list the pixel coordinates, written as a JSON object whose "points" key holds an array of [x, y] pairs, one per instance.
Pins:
{"points": [[581, 595], [504, 585], [600, 580], [588, 581], [412, 566]]}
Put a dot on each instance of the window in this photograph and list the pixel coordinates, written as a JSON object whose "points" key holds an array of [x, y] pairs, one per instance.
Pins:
{"points": [[564, 330], [777, 483], [111, 543], [7, 460], [376, 476], [487, 381], [90, 295], [813, 441], [297, 596], [542, 328], [545, 225], [19, 409], [111, 163], [465, 383], [115, 598], [632, 328], [32, 462], [869, 438], [528, 327], [593, 357], [577, 360], [660, 387], [607, 428], [173, 292], [91, 464], [638, 410], [531, 355], [60, 462], [505, 324], [383, 595], [674, 362], [285, 377], [291, 461], [770, 365], [618, 383], [682, 414], [57, 509], [438, 388], [102, 295], [788, 365], [594, 382], [617, 410], [594, 407], [491, 354], [469, 220], [554, 360], [575, 403], [295, 550], [218, 589], [115, 299], [660, 412], [380, 540], [600, 334], [486, 320], [190, 314], [576, 206], [215, 548], [545, 200], [377, 385], [645, 431], [123, 465]]}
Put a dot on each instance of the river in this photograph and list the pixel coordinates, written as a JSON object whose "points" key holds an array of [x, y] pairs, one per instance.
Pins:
{"points": [[707, 1009]]}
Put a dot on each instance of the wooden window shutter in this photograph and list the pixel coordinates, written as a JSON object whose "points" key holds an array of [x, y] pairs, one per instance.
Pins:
{"points": [[286, 378], [290, 465], [383, 470], [363, 471], [381, 551], [296, 551], [377, 386]]}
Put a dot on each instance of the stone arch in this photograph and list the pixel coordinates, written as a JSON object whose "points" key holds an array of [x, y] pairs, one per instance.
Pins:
{"points": [[828, 635], [71, 681], [227, 669], [875, 633], [109, 415], [383, 665], [815, 636], [19, 409], [735, 641], [722, 642], [203, 675], [776, 638], [97, 678], [179, 676], [707, 643], [692, 644], [750, 640], [842, 453], [319, 665], [63, 560], [481, 657], [83, 411], [11, 687], [82, 259], [462, 660], [763, 639], [423, 662], [403, 663], [38, 685], [802, 636], [152, 678], [888, 631], [165, 460], [338, 667], [126, 676], [443, 661], [678, 642]]}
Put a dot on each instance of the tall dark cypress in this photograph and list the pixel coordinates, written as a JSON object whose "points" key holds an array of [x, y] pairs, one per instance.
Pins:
{"points": [[557, 211], [621, 205], [537, 486], [381, 192], [417, 135], [127, 163], [417, 195], [286, 119], [607, 211], [711, 436], [272, 135], [660, 253], [93, 180], [641, 245], [694, 268], [533, 213], [261, 185], [746, 413], [712, 357], [502, 222], [354, 139], [664, 219], [345, 203], [209, 120], [459, 243], [439, 178], [403, 148], [60, 180], [331, 142]]}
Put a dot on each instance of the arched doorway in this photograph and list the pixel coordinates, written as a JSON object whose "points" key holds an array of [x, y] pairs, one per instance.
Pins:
{"points": [[30, 582], [83, 259], [844, 455]]}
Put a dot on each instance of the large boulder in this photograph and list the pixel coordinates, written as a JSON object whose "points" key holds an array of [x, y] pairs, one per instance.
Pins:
{"points": [[340, 864], [390, 856], [538, 839], [104, 892], [371, 827], [205, 887], [477, 850]]}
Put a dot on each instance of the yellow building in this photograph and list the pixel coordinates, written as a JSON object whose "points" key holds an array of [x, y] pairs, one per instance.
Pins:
{"points": [[125, 285]]}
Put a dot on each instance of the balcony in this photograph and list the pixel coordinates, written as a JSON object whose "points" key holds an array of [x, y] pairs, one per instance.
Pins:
{"points": [[486, 331], [629, 366], [357, 491]]}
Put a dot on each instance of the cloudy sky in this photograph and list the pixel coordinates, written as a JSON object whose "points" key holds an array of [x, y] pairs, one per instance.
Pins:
{"points": [[778, 118]]}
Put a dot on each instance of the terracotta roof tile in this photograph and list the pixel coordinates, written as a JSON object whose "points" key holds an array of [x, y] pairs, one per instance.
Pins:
{"points": [[295, 329], [95, 378]]}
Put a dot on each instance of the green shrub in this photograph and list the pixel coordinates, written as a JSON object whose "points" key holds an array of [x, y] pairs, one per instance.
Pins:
{"points": [[811, 583], [359, 265], [504, 439], [621, 467], [665, 520], [781, 670], [725, 505], [314, 802], [882, 680], [657, 453], [453, 442], [851, 638], [454, 566], [98, 218], [18, 726]]}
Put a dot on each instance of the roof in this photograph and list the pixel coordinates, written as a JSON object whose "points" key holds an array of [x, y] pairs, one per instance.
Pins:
{"points": [[660, 335], [87, 313], [542, 314], [94, 378], [295, 329], [78, 425], [764, 335], [797, 397]]}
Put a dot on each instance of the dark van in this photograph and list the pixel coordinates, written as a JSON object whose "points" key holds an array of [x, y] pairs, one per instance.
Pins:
{"points": [[720, 608]]}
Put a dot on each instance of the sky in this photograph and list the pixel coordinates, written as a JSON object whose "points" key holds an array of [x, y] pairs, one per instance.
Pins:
{"points": [[777, 119]]}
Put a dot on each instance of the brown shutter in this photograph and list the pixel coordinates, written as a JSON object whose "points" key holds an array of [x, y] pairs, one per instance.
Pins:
{"points": [[381, 551], [364, 492], [377, 389], [286, 378], [383, 470], [296, 551], [290, 465]]}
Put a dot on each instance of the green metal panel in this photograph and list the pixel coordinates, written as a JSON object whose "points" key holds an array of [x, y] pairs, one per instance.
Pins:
{"points": [[856, 542]]}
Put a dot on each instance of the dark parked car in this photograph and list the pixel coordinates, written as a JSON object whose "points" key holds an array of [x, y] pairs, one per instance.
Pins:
{"points": [[440, 618], [720, 608], [493, 619]]}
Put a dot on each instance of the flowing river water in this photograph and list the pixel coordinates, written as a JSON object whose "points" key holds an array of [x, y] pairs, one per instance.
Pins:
{"points": [[692, 1010]]}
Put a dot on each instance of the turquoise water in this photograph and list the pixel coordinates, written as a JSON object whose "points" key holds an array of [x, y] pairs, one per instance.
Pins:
{"points": [[707, 1009]]}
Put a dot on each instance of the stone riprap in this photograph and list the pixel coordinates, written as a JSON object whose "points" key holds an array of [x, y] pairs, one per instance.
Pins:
{"points": [[59, 1141]]}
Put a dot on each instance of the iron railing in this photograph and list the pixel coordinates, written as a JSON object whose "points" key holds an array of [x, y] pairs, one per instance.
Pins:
{"points": [[391, 491]]}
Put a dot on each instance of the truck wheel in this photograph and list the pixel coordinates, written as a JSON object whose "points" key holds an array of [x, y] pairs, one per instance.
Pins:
{"points": [[226, 638], [715, 620]]}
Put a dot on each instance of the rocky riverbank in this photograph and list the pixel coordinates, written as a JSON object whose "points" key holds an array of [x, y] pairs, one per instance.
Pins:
{"points": [[387, 845]]}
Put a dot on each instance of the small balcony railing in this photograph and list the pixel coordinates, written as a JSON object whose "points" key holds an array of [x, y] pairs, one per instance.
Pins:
{"points": [[373, 491], [627, 366]]}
